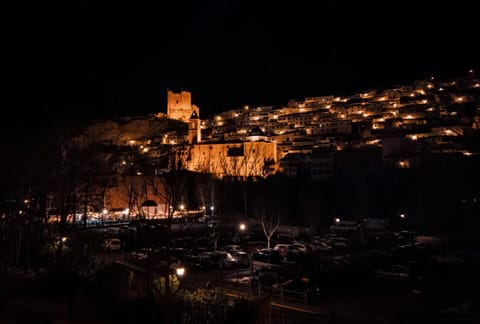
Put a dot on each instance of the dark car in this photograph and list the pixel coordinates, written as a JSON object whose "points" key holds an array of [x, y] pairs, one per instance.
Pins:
{"points": [[198, 263], [268, 276], [268, 256], [299, 289], [396, 272], [243, 259], [223, 260]]}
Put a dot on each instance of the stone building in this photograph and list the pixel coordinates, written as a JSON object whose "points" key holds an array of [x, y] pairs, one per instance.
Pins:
{"points": [[180, 107]]}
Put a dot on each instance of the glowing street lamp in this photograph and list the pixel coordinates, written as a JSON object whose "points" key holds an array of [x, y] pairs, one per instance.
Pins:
{"points": [[402, 216], [242, 227], [337, 220], [212, 208], [180, 271], [104, 213]]}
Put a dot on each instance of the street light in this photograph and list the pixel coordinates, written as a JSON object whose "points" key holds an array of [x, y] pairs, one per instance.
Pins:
{"points": [[104, 213], [242, 227], [337, 220], [125, 212], [180, 271], [402, 216]]}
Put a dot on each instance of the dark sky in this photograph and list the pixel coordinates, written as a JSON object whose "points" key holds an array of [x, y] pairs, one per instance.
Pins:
{"points": [[80, 59]]}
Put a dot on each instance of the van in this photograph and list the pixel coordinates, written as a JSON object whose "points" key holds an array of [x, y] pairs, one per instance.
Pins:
{"points": [[344, 226]]}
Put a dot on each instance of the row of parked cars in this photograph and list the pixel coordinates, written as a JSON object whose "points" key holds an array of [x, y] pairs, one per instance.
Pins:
{"points": [[200, 259]]}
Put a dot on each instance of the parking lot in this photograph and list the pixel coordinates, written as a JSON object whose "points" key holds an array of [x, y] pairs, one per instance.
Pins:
{"points": [[328, 270]]}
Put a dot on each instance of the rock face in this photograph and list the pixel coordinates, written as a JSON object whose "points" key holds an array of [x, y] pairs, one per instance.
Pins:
{"points": [[122, 130]]}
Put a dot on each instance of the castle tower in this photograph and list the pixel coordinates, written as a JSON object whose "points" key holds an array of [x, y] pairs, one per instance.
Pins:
{"points": [[194, 130], [179, 106]]}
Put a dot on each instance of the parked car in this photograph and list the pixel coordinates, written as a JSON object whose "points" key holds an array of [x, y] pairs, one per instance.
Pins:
{"points": [[344, 226], [268, 276], [139, 256], [394, 272], [243, 259], [223, 259], [300, 289], [283, 249], [453, 258], [200, 262], [320, 247], [334, 240], [112, 244], [232, 248], [267, 255], [299, 246]]}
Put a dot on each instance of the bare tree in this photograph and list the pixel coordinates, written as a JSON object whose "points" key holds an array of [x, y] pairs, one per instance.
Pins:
{"points": [[269, 198], [23, 207], [169, 187], [67, 175], [270, 222], [136, 189]]}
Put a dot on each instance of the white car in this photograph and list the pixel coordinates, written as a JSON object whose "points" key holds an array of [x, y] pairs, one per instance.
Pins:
{"points": [[112, 244]]}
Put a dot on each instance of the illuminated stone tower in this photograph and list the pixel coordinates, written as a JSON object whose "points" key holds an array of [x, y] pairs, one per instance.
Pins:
{"points": [[179, 106], [194, 131]]}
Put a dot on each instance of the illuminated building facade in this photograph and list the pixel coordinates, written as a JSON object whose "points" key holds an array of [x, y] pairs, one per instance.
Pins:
{"points": [[233, 159]]}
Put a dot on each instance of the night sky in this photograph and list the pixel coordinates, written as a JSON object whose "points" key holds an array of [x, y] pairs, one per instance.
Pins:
{"points": [[80, 59]]}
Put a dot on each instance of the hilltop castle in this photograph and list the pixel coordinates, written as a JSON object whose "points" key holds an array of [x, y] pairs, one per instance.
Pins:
{"points": [[179, 106]]}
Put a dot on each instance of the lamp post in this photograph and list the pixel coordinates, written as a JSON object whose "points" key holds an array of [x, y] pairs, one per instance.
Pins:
{"points": [[182, 207], [403, 221], [243, 227], [180, 271], [104, 214], [60, 247], [126, 213], [212, 208], [175, 268]]}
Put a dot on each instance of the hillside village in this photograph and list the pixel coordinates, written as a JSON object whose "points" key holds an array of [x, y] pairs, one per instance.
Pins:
{"points": [[304, 137]]}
